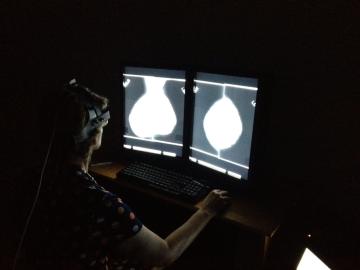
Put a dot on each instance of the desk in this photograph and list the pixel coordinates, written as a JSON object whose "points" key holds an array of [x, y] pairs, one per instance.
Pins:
{"points": [[244, 213]]}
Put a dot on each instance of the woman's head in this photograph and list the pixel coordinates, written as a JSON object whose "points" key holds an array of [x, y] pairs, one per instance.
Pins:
{"points": [[79, 122]]}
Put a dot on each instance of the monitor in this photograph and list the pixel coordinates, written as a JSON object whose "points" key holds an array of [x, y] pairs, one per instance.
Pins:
{"points": [[224, 110], [154, 110]]}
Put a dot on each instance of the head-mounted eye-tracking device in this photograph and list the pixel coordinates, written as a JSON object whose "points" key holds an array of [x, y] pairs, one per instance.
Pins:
{"points": [[97, 116]]}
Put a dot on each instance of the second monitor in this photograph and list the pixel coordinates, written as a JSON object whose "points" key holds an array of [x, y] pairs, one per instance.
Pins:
{"points": [[223, 123]]}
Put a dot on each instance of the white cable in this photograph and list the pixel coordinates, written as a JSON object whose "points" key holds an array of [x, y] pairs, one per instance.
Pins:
{"points": [[35, 201]]}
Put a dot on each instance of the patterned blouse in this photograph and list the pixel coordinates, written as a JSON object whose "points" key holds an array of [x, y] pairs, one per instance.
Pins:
{"points": [[79, 223]]}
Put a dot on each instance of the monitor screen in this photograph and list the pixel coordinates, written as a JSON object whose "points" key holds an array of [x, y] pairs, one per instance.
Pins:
{"points": [[154, 110], [223, 123]]}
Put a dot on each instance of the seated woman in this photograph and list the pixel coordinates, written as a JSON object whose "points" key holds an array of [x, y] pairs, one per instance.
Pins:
{"points": [[80, 224]]}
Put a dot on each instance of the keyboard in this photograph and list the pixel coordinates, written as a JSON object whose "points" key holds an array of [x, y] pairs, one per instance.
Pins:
{"points": [[166, 181]]}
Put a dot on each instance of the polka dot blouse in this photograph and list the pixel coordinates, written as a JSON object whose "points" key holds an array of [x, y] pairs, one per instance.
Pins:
{"points": [[82, 224]]}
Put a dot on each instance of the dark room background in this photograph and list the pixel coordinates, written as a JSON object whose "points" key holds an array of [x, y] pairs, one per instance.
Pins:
{"points": [[308, 52]]}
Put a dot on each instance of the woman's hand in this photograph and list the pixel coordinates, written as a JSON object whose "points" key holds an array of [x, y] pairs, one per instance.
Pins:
{"points": [[215, 201]]}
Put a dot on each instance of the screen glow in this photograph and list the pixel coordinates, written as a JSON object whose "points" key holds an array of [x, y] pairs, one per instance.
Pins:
{"points": [[309, 261], [226, 160], [211, 166], [193, 159], [148, 150], [228, 84], [152, 140], [236, 175], [169, 154]]}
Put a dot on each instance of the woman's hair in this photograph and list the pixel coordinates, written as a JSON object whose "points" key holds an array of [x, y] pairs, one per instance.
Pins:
{"points": [[70, 117]]}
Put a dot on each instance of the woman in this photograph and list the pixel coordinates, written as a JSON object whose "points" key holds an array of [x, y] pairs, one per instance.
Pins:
{"points": [[84, 226]]}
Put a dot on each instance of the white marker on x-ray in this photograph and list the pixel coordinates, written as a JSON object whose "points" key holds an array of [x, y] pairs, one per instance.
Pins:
{"points": [[126, 83]]}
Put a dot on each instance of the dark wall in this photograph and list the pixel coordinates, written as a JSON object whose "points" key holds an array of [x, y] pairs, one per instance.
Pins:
{"points": [[306, 50]]}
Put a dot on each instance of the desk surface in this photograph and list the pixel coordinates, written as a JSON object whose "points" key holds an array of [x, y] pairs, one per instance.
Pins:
{"points": [[242, 212]]}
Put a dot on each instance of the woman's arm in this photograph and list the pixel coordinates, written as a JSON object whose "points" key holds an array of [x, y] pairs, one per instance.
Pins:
{"points": [[151, 250]]}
